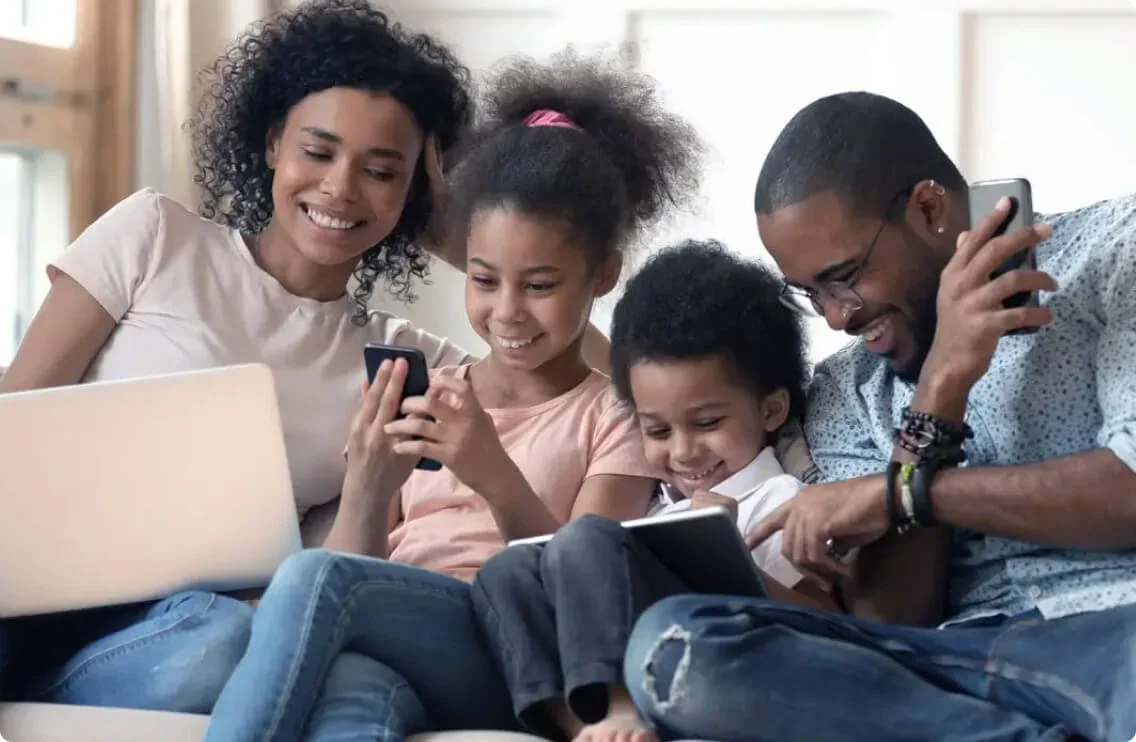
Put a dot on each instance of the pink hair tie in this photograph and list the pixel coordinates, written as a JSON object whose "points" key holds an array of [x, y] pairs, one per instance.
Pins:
{"points": [[548, 117]]}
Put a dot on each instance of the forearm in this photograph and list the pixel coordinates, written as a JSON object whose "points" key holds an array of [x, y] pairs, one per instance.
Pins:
{"points": [[1084, 501], [361, 527], [901, 579], [516, 509]]}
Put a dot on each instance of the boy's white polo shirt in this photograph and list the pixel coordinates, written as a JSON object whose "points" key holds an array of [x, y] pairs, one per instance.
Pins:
{"points": [[760, 487]]}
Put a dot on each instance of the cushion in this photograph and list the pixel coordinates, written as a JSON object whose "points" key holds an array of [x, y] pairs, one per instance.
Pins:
{"points": [[41, 722]]}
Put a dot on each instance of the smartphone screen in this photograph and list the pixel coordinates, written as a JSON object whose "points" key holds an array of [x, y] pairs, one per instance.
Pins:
{"points": [[417, 377], [983, 196]]}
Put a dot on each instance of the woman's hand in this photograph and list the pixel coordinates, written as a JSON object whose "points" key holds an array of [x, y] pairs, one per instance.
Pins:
{"points": [[375, 472], [449, 426]]}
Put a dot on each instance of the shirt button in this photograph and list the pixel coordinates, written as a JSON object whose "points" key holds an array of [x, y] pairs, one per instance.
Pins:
{"points": [[1034, 592]]}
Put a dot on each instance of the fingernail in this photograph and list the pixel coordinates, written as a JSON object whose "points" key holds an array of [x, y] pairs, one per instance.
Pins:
{"points": [[1003, 203], [1044, 230]]}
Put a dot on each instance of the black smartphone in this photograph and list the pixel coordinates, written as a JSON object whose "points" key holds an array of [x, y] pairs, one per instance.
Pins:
{"points": [[417, 378], [983, 197]]}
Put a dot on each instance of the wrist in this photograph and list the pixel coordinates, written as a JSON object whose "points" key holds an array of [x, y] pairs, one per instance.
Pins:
{"points": [[942, 393], [362, 500], [506, 482]]}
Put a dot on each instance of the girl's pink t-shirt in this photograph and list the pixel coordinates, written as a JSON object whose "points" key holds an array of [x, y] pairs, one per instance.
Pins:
{"points": [[557, 445]]}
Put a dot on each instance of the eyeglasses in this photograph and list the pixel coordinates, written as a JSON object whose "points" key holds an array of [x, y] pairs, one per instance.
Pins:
{"points": [[811, 300]]}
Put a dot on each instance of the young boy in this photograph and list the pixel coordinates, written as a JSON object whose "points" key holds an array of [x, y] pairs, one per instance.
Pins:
{"points": [[714, 365]]}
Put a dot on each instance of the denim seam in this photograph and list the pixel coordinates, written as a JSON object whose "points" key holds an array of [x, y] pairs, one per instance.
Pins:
{"points": [[346, 610], [1009, 671], [398, 687], [94, 661], [506, 646], [293, 672], [1072, 692]]}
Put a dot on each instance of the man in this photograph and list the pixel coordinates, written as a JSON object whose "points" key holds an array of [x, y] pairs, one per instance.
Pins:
{"points": [[1031, 571]]}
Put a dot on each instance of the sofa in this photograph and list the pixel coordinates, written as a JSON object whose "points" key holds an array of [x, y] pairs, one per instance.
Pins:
{"points": [[37, 722]]}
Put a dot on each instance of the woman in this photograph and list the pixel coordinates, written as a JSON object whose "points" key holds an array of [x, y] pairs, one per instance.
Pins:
{"points": [[316, 145]]}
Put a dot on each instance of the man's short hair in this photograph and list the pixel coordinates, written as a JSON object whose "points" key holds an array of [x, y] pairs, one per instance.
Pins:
{"points": [[865, 148]]}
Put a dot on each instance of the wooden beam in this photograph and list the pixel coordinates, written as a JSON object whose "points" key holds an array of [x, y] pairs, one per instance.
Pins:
{"points": [[117, 102]]}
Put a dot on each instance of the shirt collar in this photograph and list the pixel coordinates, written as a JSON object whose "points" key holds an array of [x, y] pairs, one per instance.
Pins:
{"points": [[764, 467], [751, 476]]}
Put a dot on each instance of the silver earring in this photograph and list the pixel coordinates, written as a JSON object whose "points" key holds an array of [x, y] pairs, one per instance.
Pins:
{"points": [[940, 229]]}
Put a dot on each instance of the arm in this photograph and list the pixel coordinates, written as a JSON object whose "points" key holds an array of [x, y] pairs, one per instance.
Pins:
{"points": [[519, 513], [1083, 501], [363, 525], [94, 284], [67, 333], [897, 579]]}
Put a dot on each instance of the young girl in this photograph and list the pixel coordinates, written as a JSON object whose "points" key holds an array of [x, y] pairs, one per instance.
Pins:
{"points": [[316, 149], [712, 380], [573, 160]]}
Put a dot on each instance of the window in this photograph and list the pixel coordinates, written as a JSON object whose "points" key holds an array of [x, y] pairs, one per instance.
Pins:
{"points": [[46, 22], [66, 136]]}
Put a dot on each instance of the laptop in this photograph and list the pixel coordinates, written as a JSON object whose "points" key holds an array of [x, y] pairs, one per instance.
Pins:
{"points": [[125, 491], [702, 547]]}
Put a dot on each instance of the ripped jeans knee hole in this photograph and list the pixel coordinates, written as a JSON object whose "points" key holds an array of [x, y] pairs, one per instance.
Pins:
{"points": [[666, 666]]}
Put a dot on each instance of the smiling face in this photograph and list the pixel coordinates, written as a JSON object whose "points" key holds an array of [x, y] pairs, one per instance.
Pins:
{"points": [[529, 286], [817, 241], [343, 165], [699, 425]]}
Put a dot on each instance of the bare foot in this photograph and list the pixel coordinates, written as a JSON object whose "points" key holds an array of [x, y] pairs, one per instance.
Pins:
{"points": [[622, 723]]}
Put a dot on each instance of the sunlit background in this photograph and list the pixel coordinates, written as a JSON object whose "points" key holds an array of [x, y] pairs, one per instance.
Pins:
{"points": [[1041, 89]]}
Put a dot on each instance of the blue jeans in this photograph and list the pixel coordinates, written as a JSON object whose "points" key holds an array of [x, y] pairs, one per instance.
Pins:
{"points": [[558, 616], [174, 655], [346, 647], [744, 669]]}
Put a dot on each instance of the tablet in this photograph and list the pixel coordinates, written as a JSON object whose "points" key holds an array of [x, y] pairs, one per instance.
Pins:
{"points": [[702, 547]]}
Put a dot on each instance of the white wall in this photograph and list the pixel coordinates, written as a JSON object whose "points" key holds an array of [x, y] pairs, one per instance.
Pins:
{"points": [[1036, 88], [1041, 89]]}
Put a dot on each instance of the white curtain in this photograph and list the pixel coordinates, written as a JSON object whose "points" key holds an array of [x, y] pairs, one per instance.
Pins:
{"points": [[184, 37]]}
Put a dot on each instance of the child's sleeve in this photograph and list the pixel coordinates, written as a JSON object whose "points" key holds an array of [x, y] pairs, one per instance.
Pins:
{"points": [[616, 445], [767, 555]]}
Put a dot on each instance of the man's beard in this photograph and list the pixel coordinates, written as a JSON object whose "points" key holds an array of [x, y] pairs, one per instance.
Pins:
{"points": [[925, 319]]}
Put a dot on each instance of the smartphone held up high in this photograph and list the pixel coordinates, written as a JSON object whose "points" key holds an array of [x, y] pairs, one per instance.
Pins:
{"points": [[984, 195]]}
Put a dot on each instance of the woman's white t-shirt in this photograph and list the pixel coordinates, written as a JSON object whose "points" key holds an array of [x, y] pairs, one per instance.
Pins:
{"points": [[187, 295]]}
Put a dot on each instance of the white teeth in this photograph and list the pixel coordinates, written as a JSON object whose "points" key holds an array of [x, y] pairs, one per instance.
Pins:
{"points": [[874, 333], [699, 476], [328, 221], [514, 344]]}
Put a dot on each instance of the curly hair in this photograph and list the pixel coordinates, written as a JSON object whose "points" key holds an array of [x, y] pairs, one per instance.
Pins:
{"points": [[695, 300], [612, 179], [281, 60]]}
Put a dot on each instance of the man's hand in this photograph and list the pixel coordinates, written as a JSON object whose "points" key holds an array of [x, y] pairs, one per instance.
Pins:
{"points": [[851, 513], [971, 317], [706, 499]]}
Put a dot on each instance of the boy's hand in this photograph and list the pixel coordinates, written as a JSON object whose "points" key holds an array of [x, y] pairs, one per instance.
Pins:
{"points": [[705, 499], [454, 430]]}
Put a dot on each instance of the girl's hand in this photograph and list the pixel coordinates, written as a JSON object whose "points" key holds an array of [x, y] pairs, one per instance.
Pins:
{"points": [[374, 470], [452, 428]]}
